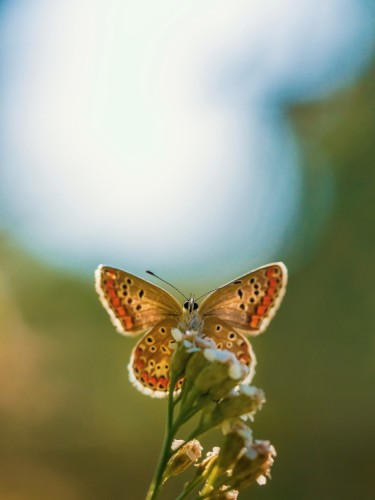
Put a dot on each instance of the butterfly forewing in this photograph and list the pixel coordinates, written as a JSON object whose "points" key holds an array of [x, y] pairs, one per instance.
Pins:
{"points": [[134, 304], [248, 303]]}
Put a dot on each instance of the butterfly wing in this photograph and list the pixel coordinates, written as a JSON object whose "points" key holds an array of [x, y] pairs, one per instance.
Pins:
{"points": [[248, 303], [134, 304], [151, 358], [227, 338]]}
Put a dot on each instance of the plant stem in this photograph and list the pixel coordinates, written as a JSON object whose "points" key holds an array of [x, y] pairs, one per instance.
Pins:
{"points": [[189, 488], [166, 448]]}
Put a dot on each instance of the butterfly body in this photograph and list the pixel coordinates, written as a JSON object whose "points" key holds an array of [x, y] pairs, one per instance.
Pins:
{"points": [[241, 307], [191, 319]]}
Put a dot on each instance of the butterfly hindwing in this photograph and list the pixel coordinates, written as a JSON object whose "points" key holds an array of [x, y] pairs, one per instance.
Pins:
{"points": [[226, 338], [151, 358], [134, 304], [248, 303]]}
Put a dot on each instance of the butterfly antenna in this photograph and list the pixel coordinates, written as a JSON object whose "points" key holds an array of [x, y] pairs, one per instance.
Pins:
{"points": [[164, 281], [206, 293]]}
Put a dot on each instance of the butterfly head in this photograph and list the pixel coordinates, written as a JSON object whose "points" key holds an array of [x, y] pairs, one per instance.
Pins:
{"points": [[190, 305]]}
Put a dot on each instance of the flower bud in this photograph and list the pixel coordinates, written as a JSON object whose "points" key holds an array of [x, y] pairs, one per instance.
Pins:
{"points": [[221, 374], [196, 364], [238, 426], [186, 455], [236, 371], [254, 465], [234, 442], [212, 374], [225, 494], [205, 467], [246, 400], [180, 357]]}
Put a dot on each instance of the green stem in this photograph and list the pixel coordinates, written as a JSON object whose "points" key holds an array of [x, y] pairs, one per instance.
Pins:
{"points": [[195, 409], [190, 406], [166, 448], [198, 431], [216, 482], [190, 487]]}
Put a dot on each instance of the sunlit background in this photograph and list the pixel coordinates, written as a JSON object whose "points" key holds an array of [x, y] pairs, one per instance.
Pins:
{"points": [[198, 139]]}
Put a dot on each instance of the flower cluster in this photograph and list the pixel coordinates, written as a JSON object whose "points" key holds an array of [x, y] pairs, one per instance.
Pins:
{"points": [[216, 392]]}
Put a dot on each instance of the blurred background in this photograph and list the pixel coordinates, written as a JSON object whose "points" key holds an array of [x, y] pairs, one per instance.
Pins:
{"points": [[199, 140]]}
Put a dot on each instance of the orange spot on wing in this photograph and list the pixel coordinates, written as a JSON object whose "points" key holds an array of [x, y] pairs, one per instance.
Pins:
{"points": [[152, 381], [163, 382], [261, 310], [254, 321], [244, 358], [128, 321], [144, 377], [116, 301], [270, 273], [266, 301], [140, 364], [272, 282], [121, 311], [110, 283], [271, 292]]}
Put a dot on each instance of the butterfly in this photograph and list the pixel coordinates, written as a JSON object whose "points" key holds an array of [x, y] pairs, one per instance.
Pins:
{"points": [[242, 307]]}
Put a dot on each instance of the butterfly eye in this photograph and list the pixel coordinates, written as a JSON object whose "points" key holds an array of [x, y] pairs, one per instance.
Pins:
{"points": [[190, 305]]}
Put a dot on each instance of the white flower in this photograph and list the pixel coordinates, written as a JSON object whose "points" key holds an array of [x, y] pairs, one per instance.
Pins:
{"points": [[231, 495], [240, 428], [218, 355], [251, 453], [246, 433], [261, 480], [215, 451], [248, 390], [177, 334], [237, 370], [186, 454], [195, 451], [205, 342], [176, 444], [190, 347]]}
